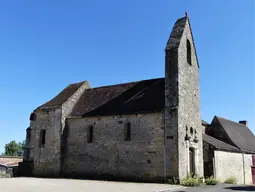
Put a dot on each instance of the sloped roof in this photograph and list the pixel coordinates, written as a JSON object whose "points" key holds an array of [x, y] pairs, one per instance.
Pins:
{"points": [[134, 97], [62, 96], [239, 134], [176, 34], [10, 161], [204, 123], [218, 144]]}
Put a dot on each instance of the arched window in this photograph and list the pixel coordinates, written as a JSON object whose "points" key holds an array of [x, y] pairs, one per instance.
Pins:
{"points": [[28, 138], [191, 131], [42, 138], [188, 52], [33, 117]]}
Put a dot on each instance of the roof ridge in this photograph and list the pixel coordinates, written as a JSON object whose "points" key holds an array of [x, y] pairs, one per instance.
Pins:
{"points": [[81, 82], [230, 121], [138, 81]]}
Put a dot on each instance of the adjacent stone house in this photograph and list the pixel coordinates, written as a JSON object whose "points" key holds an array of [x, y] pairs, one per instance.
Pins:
{"points": [[9, 165], [229, 149], [145, 130]]}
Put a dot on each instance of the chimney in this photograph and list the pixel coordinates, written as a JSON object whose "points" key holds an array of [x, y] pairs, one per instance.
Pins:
{"points": [[244, 123]]}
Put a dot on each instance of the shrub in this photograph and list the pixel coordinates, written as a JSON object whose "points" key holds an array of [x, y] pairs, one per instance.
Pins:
{"points": [[211, 181], [173, 181], [231, 180], [201, 179], [191, 181]]}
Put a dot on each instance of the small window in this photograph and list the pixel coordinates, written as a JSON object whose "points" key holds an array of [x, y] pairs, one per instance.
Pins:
{"points": [[42, 138], [191, 131], [28, 136], [33, 117], [127, 131], [188, 52], [90, 134]]}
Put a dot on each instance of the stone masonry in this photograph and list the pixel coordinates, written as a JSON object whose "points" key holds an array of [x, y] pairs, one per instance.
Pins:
{"points": [[182, 104], [109, 154], [162, 137], [47, 159]]}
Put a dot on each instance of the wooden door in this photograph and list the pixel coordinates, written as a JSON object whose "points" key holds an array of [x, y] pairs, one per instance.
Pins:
{"points": [[253, 174], [191, 162], [253, 169]]}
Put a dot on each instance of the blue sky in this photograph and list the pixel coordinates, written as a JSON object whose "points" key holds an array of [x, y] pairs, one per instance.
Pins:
{"points": [[46, 45]]}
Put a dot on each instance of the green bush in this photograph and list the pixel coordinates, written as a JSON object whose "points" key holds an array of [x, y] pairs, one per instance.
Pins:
{"points": [[231, 180], [211, 181], [173, 181], [190, 181]]}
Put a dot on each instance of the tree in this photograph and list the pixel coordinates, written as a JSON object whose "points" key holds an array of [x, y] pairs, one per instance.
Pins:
{"points": [[21, 147], [14, 149]]}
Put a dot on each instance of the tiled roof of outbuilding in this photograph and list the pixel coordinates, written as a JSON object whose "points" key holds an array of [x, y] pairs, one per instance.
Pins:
{"points": [[10, 161], [239, 134], [218, 144], [205, 123]]}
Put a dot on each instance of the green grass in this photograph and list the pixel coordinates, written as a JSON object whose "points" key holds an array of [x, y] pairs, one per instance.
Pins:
{"points": [[211, 181], [231, 180], [190, 181]]}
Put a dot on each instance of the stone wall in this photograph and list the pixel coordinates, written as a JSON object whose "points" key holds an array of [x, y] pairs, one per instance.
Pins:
{"points": [[229, 164], [109, 155], [47, 159], [208, 157], [189, 106], [182, 108]]}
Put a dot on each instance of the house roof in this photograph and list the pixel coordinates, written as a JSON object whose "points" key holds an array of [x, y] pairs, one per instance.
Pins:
{"points": [[239, 134], [143, 96], [205, 123], [218, 144], [135, 97], [10, 161], [62, 96]]}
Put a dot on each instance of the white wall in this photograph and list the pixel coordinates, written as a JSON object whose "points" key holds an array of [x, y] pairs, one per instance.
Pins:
{"points": [[229, 164]]}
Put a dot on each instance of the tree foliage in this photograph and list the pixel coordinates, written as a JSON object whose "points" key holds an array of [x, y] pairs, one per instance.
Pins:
{"points": [[14, 149]]}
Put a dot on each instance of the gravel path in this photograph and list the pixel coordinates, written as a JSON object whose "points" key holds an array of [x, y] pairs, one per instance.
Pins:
{"points": [[71, 185]]}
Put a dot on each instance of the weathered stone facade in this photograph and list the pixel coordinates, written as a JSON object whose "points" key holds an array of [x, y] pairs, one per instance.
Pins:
{"points": [[47, 159], [165, 141], [109, 154], [182, 105]]}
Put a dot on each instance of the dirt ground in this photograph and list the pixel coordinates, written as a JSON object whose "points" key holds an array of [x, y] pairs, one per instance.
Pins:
{"points": [[70, 185]]}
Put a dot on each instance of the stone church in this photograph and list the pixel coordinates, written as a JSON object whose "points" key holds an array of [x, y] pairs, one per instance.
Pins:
{"points": [[144, 130]]}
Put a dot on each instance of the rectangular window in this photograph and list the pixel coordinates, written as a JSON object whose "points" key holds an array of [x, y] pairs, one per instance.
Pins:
{"points": [[90, 134], [127, 132], [42, 137], [28, 136]]}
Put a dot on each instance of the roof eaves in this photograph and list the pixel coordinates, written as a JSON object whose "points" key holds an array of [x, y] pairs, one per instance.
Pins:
{"points": [[127, 113]]}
